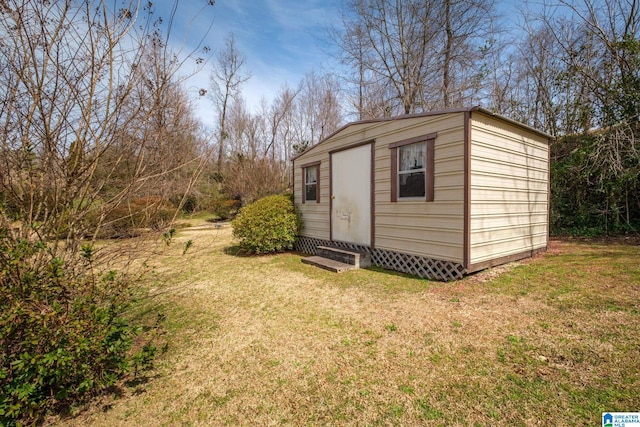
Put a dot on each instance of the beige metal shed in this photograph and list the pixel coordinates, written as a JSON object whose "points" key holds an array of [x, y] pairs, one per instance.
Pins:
{"points": [[438, 195]]}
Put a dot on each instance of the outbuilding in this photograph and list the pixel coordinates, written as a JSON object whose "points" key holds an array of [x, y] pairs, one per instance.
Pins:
{"points": [[438, 195]]}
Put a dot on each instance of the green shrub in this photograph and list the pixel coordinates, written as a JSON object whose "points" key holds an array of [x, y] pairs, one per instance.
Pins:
{"points": [[590, 197], [63, 333], [270, 224], [188, 203], [225, 208]]}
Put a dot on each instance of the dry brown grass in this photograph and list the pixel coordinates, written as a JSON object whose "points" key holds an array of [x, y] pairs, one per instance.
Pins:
{"points": [[270, 341]]}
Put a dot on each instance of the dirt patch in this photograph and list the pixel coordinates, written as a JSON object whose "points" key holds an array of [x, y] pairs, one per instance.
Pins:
{"points": [[491, 273]]}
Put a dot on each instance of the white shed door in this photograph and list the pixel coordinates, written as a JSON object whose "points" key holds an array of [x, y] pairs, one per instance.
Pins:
{"points": [[351, 195]]}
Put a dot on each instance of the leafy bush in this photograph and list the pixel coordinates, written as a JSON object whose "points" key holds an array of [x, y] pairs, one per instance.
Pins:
{"points": [[270, 224], [225, 208], [591, 196], [188, 203], [63, 336]]}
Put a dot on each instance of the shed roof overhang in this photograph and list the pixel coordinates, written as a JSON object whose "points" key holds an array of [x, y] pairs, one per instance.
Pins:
{"points": [[428, 114]]}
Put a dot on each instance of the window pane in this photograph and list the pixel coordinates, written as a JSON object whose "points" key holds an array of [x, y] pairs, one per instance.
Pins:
{"points": [[310, 193], [312, 175], [412, 184], [412, 156]]}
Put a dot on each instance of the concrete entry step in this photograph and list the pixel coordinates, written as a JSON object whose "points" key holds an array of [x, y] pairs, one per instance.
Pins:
{"points": [[328, 264], [356, 258]]}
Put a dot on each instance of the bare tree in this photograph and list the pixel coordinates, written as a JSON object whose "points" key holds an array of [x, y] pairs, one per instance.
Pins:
{"points": [[319, 105], [538, 74], [89, 104], [85, 101], [579, 61], [355, 54], [578, 77], [245, 131], [252, 169], [166, 130], [278, 117], [467, 25], [421, 53], [226, 81], [501, 76], [397, 36]]}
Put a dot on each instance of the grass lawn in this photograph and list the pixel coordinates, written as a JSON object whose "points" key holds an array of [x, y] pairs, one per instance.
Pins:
{"points": [[270, 341]]}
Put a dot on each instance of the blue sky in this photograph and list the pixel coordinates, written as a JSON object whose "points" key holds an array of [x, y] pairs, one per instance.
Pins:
{"points": [[281, 39]]}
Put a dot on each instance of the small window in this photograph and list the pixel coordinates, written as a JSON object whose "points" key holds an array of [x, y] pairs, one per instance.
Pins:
{"points": [[411, 170], [311, 176]]}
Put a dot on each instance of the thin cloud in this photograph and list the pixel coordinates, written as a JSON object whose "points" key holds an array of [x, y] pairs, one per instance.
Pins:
{"points": [[281, 39]]}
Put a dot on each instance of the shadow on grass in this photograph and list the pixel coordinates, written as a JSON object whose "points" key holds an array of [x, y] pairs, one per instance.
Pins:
{"points": [[400, 274], [118, 392], [111, 393], [139, 381], [236, 250]]}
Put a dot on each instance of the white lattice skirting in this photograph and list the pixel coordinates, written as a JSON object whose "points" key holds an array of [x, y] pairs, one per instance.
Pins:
{"points": [[425, 268]]}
